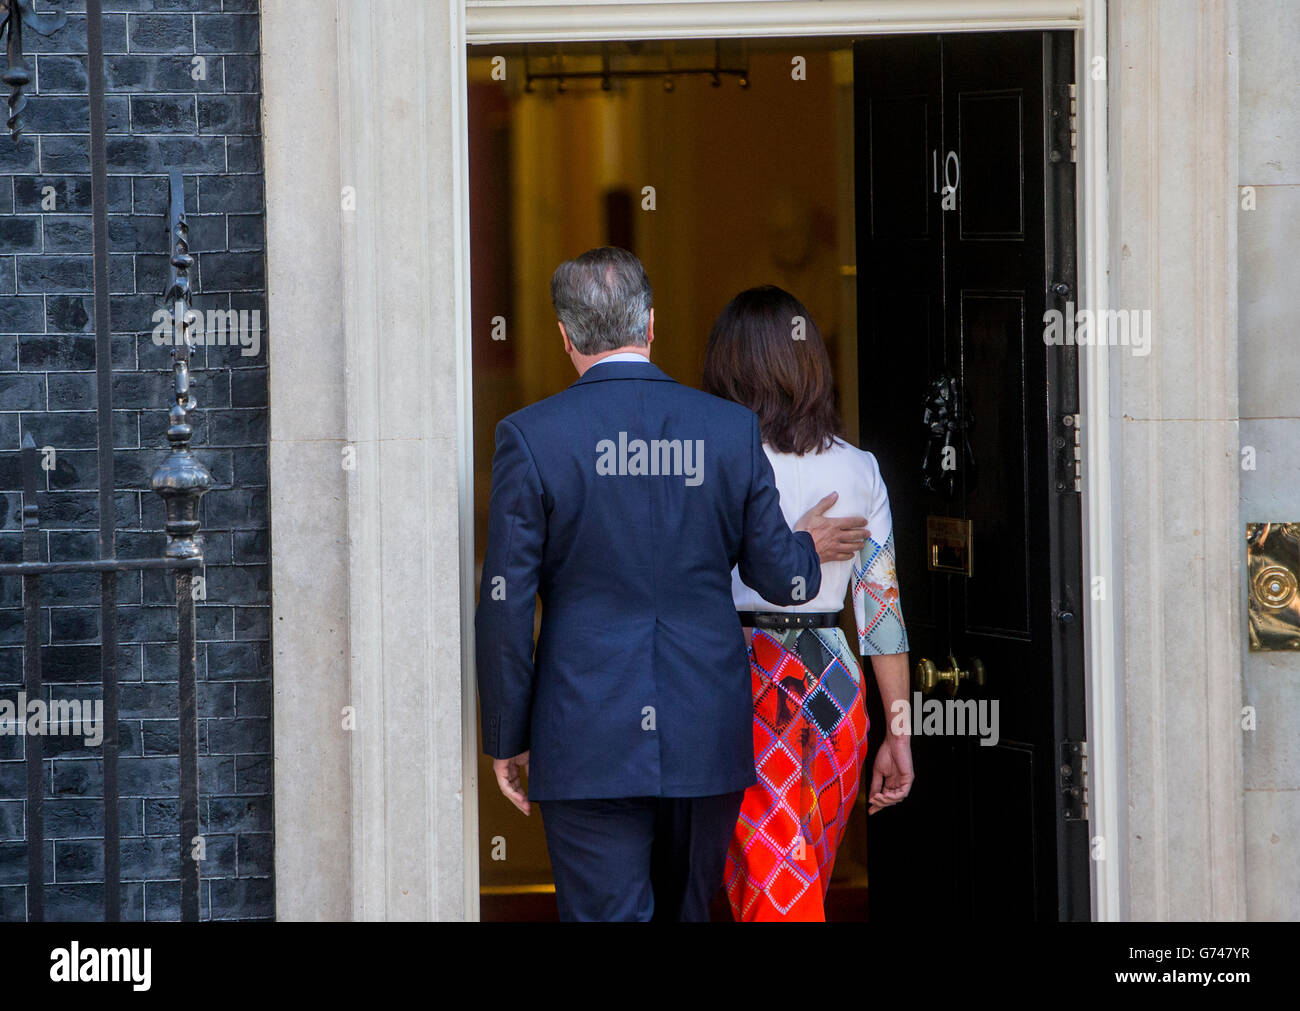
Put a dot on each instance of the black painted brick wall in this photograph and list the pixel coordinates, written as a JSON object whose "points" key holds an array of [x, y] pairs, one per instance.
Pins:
{"points": [[158, 117]]}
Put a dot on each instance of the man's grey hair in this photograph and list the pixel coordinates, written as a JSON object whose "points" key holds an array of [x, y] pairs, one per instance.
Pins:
{"points": [[603, 298]]}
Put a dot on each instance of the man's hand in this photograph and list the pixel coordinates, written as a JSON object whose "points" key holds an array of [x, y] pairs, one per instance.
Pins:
{"points": [[837, 538], [891, 776], [510, 773]]}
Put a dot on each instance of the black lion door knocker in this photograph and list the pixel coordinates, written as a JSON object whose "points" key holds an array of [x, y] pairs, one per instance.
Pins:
{"points": [[948, 446]]}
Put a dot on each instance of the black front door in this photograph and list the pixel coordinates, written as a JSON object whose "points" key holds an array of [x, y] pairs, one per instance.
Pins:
{"points": [[965, 238]]}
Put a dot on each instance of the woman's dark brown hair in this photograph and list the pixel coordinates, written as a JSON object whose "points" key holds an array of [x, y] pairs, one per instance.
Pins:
{"points": [[766, 352]]}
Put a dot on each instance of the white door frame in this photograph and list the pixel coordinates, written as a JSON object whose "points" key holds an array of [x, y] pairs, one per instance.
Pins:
{"points": [[488, 21]]}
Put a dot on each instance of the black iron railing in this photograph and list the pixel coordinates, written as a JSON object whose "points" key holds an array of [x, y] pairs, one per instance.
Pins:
{"points": [[14, 15], [180, 479]]}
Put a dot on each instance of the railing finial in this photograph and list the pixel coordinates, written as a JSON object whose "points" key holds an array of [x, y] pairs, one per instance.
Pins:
{"points": [[17, 76], [181, 479]]}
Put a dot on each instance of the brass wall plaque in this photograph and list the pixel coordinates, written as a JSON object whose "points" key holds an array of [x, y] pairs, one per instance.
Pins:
{"points": [[1273, 571], [949, 544]]}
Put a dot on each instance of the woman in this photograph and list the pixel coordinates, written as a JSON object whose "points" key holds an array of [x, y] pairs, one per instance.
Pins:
{"points": [[810, 722]]}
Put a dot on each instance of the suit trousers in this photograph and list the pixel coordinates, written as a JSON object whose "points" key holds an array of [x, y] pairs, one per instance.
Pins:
{"points": [[639, 858]]}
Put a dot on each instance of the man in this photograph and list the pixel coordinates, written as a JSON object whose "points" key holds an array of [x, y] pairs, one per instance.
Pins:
{"points": [[624, 502]]}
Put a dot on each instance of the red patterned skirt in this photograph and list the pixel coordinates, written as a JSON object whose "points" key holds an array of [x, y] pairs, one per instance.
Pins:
{"points": [[810, 740]]}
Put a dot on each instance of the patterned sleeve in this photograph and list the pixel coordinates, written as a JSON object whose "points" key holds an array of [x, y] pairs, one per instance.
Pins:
{"points": [[875, 581]]}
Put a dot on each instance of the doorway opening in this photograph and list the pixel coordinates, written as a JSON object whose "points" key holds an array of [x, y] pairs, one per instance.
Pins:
{"points": [[725, 164]]}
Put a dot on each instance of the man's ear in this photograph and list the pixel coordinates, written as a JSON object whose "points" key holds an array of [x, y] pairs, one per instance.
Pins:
{"points": [[568, 347], [650, 332]]}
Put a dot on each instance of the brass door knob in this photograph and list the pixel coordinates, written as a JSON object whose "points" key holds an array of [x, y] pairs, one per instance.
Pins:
{"points": [[927, 675]]}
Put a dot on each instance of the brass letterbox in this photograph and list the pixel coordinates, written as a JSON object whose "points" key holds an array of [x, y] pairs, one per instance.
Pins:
{"points": [[949, 543]]}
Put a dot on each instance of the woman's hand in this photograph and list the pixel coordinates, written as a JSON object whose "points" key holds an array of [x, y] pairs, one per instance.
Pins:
{"points": [[891, 775]]}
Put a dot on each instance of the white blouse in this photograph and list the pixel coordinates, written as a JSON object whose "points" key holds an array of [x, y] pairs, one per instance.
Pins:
{"points": [[805, 480]]}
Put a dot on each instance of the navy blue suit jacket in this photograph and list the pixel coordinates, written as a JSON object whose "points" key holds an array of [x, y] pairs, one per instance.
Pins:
{"points": [[639, 685]]}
